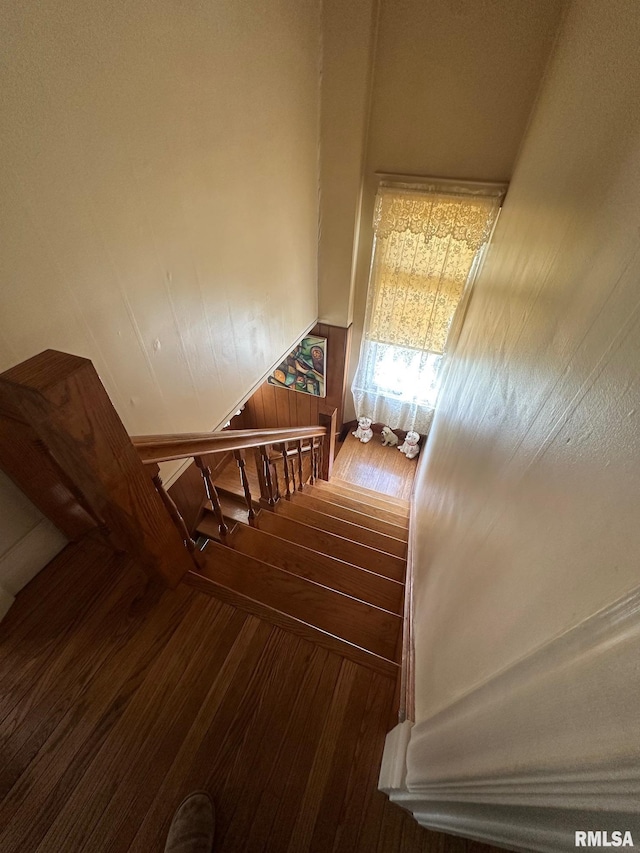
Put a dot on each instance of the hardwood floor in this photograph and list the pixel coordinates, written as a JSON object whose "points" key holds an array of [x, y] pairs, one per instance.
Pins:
{"points": [[372, 466], [118, 698]]}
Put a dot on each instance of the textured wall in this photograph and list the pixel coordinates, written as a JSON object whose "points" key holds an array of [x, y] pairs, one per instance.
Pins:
{"points": [[348, 36], [529, 501], [159, 185], [453, 86]]}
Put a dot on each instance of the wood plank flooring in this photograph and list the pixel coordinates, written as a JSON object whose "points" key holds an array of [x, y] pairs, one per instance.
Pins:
{"points": [[118, 698], [372, 466]]}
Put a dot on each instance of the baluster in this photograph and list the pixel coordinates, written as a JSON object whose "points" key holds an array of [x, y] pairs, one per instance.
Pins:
{"points": [[174, 512], [312, 476], [285, 463], [239, 457], [212, 495], [299, 449], [276, 484], [328, 443], [319, 460], [266, 467]]}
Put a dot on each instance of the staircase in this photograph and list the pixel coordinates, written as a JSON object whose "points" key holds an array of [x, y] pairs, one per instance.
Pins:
{"points": [[326, 561], [286, 542]]}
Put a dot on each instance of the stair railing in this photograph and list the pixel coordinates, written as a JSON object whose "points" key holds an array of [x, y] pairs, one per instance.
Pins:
{"points": [[167, 448], [63, 443], [240, 461], [267, 451]]}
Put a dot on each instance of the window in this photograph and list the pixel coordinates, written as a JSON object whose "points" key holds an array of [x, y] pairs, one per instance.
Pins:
{"points": [[428, 242]]}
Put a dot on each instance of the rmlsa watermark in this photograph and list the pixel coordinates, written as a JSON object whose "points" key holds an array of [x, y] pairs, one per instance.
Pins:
{"points": [[603, 839]]}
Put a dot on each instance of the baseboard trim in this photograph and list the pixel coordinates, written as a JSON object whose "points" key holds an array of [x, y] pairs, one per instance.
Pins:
{"points": [[393, 770], [26, 558], [542, 749], [377, 427], [543, 828], [520, 828]]}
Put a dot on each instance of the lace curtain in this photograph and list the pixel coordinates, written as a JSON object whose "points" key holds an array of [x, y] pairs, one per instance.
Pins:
{"points": [[427, 245]]}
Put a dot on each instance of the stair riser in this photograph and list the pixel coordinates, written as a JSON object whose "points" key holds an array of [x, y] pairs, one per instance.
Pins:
{"points": [[354, 517], [371, 538], [391, 514], [330, 611], [364, 495], [388, 668], [336, 546], [344, 577]]}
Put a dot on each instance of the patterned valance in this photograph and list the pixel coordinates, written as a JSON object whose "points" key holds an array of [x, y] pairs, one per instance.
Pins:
{"points": [[424, 250]]}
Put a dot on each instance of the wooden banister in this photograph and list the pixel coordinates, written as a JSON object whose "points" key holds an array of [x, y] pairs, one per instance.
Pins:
{"points": [[165, 448], [66, 410], [63, 443]]}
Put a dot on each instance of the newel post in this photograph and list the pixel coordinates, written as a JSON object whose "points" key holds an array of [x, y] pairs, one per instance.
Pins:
{"points": [[329, 443], [64, 406]]}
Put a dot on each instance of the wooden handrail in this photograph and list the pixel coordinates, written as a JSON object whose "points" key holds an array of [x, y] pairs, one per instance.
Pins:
{"points": [[64, 445], [165, 448]]}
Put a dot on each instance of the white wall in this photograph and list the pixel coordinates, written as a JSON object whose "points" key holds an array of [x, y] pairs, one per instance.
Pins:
{"points": [[527, 549], [348, 44], [529, 498], [159, 187], [27, 542]]}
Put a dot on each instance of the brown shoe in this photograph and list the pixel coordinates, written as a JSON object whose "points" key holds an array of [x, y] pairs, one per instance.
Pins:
{"points": [[192, 826]]}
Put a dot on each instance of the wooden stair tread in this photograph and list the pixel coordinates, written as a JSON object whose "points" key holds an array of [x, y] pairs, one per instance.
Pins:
{"points": [[346, 529], [333, 545], [372, 493], [348, 618], [360, 517], [391, 513], [233, 509], [345, 577], [208, 525], [354, 491], [325, 639]]}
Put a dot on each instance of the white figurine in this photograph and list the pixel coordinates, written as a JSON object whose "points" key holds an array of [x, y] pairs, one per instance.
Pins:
{"points": [[389, 438], [410, 445], [364, 431]]}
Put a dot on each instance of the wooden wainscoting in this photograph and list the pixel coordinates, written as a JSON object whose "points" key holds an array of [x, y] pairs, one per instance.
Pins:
{"points": [[271, 406]]}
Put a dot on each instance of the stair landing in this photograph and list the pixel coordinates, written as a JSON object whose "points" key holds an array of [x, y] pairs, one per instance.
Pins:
{"points": [[372, 466]]}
